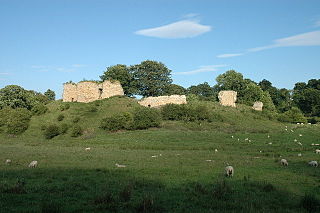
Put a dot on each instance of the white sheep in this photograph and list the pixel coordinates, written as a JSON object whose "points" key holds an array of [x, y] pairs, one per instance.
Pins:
{"points": [[229, 171], [313, 163], [284, 162], [317, 151], [120, 166], [8, 161], [299, 155], [33, 164], [87, 149]]}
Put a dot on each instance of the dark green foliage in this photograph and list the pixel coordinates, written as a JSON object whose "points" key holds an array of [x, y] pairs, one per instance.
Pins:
{"points": [[17, 188], [64, 128], [76, 130], [50, 207], [18, 121], [117, 122], [126, 193], [15, 97], [310, 203], [294, 115], [203, 91], [76, 119], [144, 118], [60, 117], [123, 74], [51, 131], [221, 191], [64, 106], [51, 96], [39, 109], [174, 89], [189, 112], [151, 78]]}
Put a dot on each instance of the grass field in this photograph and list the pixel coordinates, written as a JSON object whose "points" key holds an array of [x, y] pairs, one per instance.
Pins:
{"points": [[174, 168]]}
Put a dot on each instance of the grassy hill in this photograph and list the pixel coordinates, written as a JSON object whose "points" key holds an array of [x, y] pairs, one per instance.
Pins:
{"points": [[175, 168]]}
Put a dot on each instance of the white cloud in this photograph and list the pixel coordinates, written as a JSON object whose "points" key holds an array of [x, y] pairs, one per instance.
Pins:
{"points": [[304, 39], [208, 68], [180, 29], [78, 65], [228, 55], [4, 73], [63, 69]]}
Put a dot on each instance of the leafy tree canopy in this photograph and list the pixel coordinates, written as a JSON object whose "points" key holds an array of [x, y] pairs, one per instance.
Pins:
{"points": [[51, 96]]}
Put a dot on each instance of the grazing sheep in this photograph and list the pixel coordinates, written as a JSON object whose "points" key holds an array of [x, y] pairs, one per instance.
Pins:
{"points": [[284, 162], [33, 164], [8, 161], [299, 155], [317, 151], [120, 166], [300, 135], [87, 149], [229, 171], [216, 150], [313, 163]]}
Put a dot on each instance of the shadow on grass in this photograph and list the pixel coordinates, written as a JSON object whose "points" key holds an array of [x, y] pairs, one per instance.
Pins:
{"points": [[102, 190]]}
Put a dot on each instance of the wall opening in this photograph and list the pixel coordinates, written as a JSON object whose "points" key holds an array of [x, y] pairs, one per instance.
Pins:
{"points": [[72, 99], [100, 92]]}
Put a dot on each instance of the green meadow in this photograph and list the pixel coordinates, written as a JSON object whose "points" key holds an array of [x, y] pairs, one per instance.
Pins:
{"points": [[178, 167]]}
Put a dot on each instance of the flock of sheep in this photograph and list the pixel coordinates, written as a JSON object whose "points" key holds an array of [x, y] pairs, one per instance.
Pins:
{"points": [[229, 170]]}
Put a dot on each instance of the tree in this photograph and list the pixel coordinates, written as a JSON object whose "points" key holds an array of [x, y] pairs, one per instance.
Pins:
{"points": [[174, 89], [204, 91], [15, 97], [123, 74], [50, 95], [151, 78]]}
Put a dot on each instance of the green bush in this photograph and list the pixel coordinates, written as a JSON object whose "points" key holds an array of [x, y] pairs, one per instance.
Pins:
{"points": [[51, 131], [39, 109], [116, 122], [186, 112], [76, 119], [18, 121], [144, 118], [76, 131], [294, 115], [64, 106], [64, 128], [92, 109], [60, 117]]}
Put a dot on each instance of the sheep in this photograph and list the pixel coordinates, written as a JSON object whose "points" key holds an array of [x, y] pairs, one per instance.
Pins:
{"points": [[317, 151], [8, 161], [87, 149], [120, 166], [33, 164], [229, 171], [299, 155], [284, 162], [216, 150], [313, 163]]}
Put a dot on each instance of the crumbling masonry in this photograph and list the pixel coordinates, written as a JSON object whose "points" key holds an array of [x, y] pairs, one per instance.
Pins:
{"points": [[88, 91]]}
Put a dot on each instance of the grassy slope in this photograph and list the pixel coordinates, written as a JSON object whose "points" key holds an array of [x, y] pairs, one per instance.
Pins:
{"points": [[181, 180]]}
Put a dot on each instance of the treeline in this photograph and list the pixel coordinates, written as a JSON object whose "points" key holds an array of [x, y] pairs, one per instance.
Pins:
{"points": [[152, 78]]}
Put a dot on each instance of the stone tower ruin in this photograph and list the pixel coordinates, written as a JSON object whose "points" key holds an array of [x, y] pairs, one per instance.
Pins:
{"points": [[228, 98], [88, 91]]}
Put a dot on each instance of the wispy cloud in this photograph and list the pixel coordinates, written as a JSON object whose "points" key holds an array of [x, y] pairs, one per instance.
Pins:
{"points": [[228, 55], [70, 68], [65, 69], [179, 29], [78, 65], [317, 23], [304, 39], [207, 68], [4, 73]]}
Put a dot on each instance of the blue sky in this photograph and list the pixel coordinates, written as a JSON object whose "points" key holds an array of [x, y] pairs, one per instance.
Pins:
{"points": [[44, 43]]}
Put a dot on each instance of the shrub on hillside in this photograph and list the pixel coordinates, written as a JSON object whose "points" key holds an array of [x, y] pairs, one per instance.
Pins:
{"points": [[144, 118], [76, 131], [18, 121], [76, 119], [51, 131], [294, 115], [60, 117], [116, 122], [186, 112], [92, 109], [64, 128], [39, 109], [64, 106]]}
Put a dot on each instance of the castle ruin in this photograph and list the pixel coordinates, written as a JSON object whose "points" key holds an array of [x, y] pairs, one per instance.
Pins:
{"points": [[88, 91], [163, 100], [227, 98]]}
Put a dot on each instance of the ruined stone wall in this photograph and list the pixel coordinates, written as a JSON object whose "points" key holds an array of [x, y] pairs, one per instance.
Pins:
{"points": [[227, 98], [88, 91], [257, 106], [163, 100]]}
